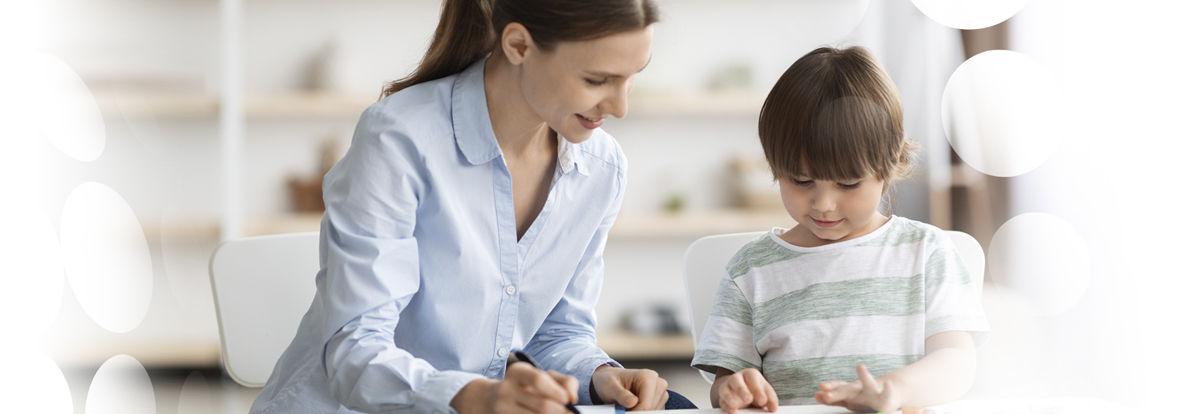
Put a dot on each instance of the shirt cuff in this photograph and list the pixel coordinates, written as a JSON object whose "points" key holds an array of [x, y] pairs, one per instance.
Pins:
{"points": [[440, 388], [586, 395]]}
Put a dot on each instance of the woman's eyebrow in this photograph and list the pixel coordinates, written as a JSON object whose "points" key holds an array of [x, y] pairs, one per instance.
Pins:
{"points": [[602, 74]]}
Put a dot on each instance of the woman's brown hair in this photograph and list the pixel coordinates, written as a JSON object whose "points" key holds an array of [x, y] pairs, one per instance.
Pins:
{"points": [[835, 115], [468, 29]]}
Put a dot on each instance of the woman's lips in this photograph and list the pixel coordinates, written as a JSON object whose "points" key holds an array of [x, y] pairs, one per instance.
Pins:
{"points": [[825, 224], [589, 124]]}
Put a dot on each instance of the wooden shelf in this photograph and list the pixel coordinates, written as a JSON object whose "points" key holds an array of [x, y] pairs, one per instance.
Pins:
{"points": [[682, 225], [323, 105], [621, 345]]}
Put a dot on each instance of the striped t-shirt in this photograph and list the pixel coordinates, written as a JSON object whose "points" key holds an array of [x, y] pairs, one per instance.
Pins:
{"points": [[804, 315]]}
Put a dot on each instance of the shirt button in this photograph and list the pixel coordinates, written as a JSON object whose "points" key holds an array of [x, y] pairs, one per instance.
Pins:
{"points": [[502, 352], [510, 290]]}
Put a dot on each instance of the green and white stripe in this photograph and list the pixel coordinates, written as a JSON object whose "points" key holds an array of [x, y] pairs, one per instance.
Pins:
{"points": [[807, 315]]}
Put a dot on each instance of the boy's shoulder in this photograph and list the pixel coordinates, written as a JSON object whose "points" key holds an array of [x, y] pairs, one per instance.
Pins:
{"points": [[904, 231], [759, 252]]}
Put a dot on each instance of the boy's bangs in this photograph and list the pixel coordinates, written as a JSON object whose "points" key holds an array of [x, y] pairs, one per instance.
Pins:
{"points": [[848, 140]]}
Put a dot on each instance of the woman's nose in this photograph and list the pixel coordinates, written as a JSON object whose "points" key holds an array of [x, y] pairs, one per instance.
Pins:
{"points": [[617, 103]]}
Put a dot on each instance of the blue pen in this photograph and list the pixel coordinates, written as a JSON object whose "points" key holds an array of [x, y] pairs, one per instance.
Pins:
{"points": [[529, 360]]}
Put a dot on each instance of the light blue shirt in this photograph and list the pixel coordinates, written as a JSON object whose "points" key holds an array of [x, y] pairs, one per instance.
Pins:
{"points": [[423, 285]]}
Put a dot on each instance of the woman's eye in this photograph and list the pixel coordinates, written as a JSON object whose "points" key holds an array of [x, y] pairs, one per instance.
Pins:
{"points": [[849, 186], [597, 82]]}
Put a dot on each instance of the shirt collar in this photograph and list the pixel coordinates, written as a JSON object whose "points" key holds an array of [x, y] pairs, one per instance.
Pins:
{"points": [[568, 157], [472, 125]]}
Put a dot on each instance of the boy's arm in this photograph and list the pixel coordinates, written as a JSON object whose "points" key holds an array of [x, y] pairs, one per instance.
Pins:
{"points": [[943, 375]]}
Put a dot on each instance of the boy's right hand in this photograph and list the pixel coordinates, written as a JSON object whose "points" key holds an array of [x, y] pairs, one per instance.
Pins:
{"points": [[746, 388]]}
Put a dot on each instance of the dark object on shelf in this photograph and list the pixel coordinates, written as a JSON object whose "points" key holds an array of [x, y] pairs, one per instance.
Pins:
{"points": [[306, 191], [653, 319]]}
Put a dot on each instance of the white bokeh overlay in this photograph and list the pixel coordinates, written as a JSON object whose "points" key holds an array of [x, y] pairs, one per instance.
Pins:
{"points": [[106, 257], [120, 386], [1002, 114], [969, 14], [1042, 261], [33, 275], [63, 107], [820, 21], [32, 383], [195, 396]]}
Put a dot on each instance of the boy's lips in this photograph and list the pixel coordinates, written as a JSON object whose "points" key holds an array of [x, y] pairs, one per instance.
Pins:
{"points": [[826, 224]]}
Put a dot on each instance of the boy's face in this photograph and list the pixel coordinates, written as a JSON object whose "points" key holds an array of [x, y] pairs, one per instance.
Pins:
{"points": [[831, 211]]}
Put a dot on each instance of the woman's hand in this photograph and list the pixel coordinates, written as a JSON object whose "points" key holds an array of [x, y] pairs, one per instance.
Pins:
{"points": [[634, 389], [745, 388], [864, 395], [524, 390]]}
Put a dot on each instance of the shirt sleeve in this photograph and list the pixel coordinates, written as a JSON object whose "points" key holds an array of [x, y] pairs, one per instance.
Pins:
{"points": [[952, 300], [369, 273], [728, 337], [566, 340]]}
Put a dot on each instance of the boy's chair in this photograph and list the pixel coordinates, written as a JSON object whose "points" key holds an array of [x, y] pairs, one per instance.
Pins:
{"points": [[704, 264], [262, 287]]}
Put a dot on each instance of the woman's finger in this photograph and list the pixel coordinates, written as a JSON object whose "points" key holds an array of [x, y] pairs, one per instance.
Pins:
{"points": [[568, 383], [650, 390]]}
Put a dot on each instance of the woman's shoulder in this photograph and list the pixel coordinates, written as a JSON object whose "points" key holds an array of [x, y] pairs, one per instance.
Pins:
{"points": [[421, 110], [603, 148]]}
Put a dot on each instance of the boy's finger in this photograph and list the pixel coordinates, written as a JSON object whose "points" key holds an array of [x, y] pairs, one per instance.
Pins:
{"points": [[757, 390], [867, 379], [772, 399], [737, 384]]}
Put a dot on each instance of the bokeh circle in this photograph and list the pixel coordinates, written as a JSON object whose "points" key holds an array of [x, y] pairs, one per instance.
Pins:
{"points": [[1043, 260], [121, 386], [33, 383], [33, 275], [969, 14], [106, 257], [64, 108], [1001, 112]]}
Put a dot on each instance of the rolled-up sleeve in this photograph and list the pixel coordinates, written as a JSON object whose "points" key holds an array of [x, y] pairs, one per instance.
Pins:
{"points": [[370, 272], [566, 340]]}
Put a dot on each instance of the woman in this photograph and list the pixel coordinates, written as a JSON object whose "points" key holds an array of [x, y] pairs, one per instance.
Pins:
{"points": [[468, 220]]}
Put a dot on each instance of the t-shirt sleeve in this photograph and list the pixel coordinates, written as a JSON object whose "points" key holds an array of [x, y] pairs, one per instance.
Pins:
{"points": [[952, 298], [728, 337]]}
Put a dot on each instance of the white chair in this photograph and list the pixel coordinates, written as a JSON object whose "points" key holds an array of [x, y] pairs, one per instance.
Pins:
{"points": [[704, 264], [262, 287]]}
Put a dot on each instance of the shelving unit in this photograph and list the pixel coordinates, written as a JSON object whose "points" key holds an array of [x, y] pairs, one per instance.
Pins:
{"points": [[682, 225], [326, 105]]}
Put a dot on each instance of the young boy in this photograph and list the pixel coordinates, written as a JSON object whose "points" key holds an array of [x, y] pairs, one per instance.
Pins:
{"points": [[806, 314]]}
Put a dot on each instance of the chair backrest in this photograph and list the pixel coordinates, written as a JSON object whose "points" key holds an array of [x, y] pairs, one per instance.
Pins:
{"points": [[262, 287], [704, 264]]}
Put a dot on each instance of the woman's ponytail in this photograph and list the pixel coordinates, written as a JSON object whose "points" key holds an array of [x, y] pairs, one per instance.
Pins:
{"points": [[464, 35], [468, 28]]}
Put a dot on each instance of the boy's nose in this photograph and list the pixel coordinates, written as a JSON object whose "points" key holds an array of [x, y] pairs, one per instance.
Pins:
{"points": [[823, 202]]}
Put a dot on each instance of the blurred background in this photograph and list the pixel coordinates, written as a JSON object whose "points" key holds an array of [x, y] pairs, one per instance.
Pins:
{"points": [[136, 135]]}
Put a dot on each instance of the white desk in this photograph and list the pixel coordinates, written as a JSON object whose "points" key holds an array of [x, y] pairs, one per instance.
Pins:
{"points": [[1004, 406]]}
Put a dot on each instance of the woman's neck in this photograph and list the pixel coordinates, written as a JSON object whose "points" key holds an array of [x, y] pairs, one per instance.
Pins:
{"points": [[520, 132]]}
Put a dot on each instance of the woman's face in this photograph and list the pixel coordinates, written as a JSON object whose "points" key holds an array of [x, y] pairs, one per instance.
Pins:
{"points": [[577, 85]]}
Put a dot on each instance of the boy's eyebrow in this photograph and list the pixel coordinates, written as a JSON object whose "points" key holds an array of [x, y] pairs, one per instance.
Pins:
{"points": [[614, 75]]}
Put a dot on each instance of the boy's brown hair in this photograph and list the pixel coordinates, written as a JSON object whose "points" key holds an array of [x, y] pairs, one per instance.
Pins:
{"points": [[835, 115]]}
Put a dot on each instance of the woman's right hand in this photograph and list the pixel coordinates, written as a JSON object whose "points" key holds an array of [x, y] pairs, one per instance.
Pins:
{"points": [[524, 390], [745, 388]]}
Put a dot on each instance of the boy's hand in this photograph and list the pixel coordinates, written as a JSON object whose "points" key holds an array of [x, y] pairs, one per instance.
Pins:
{"points": [[864, 395], [747, 388]]}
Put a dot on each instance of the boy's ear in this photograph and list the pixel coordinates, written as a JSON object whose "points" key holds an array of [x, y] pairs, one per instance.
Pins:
{"points": [[516, 42]]}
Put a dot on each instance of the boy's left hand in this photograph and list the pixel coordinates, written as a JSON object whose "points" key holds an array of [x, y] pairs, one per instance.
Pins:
{"points": [[864, 395]]}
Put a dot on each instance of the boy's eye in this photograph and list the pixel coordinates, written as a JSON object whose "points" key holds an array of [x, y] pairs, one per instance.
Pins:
{"points": [[802, 183], [849, 186], [597, 82]]}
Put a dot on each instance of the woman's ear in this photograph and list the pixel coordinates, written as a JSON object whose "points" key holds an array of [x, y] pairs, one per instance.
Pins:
{"points": [[516, 42]]}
